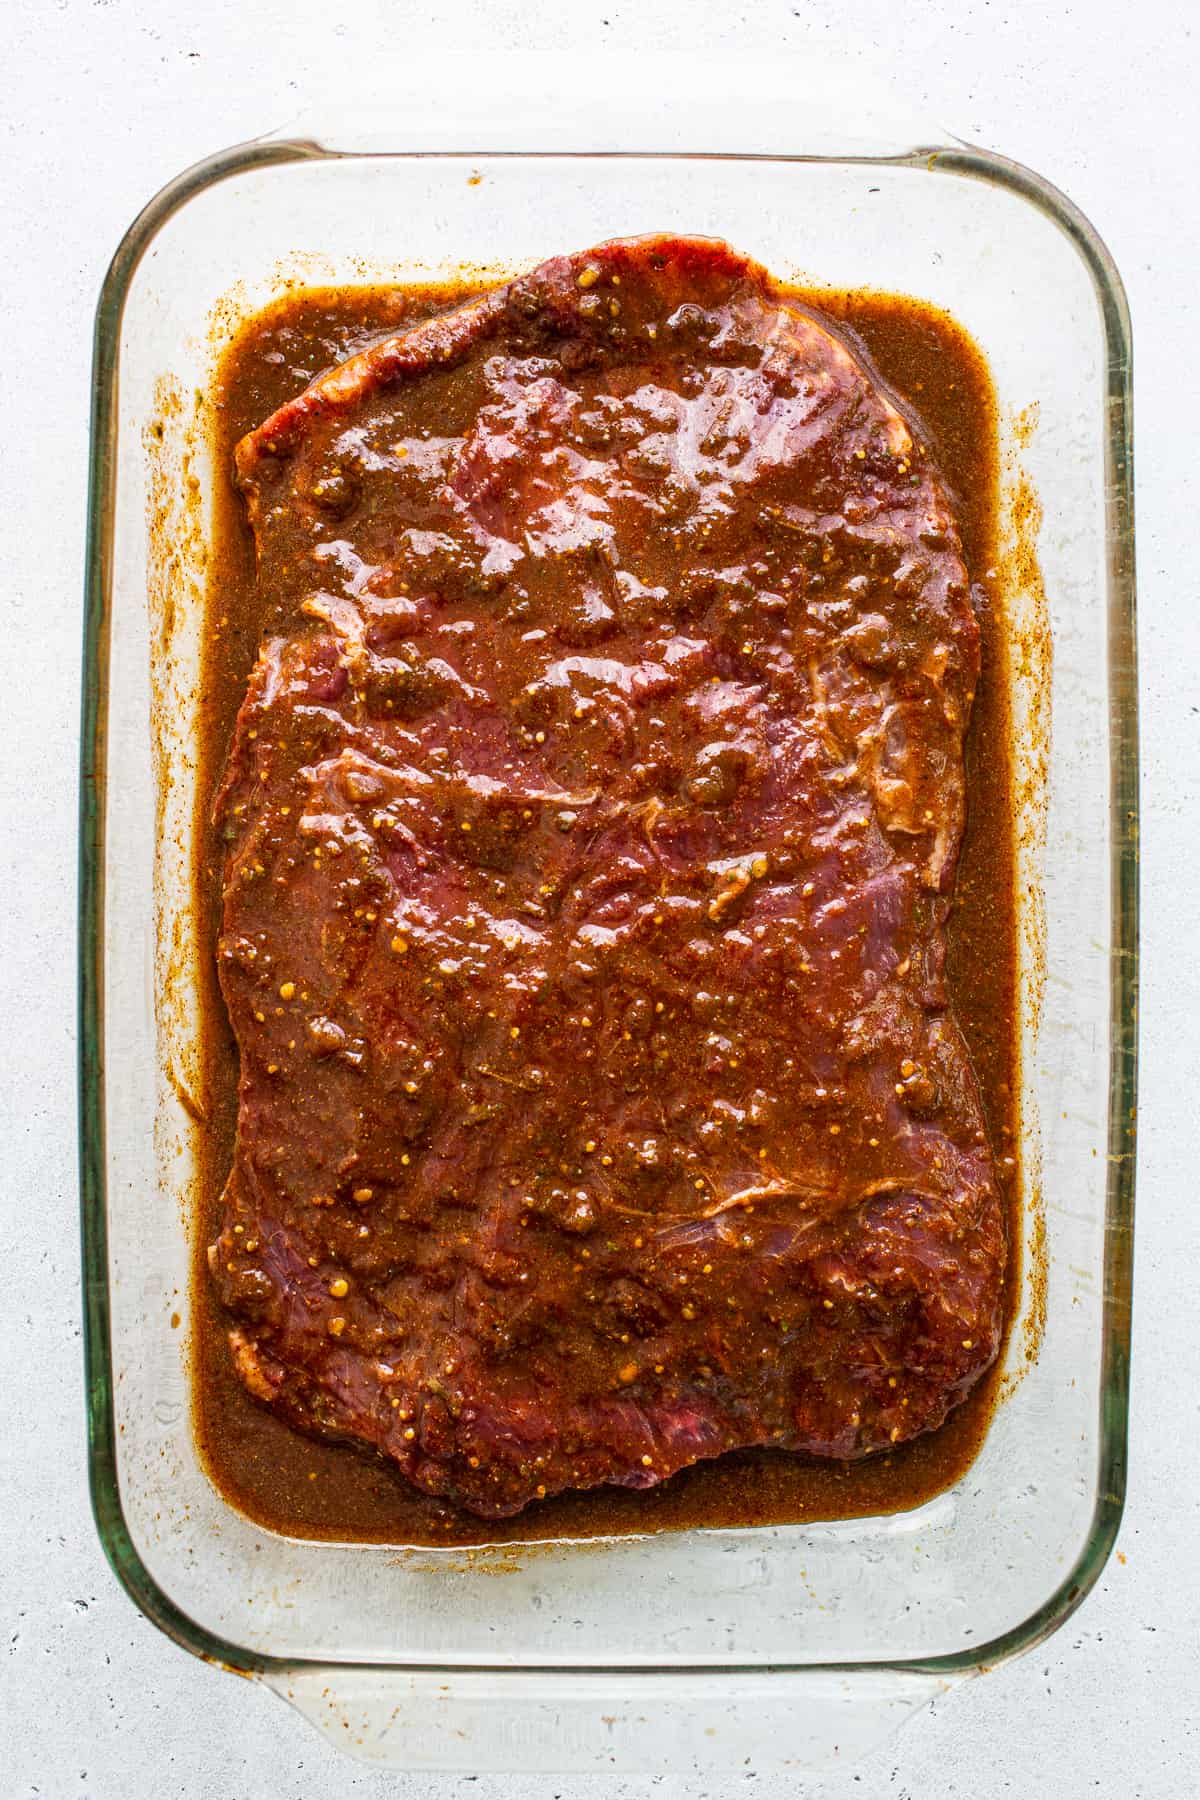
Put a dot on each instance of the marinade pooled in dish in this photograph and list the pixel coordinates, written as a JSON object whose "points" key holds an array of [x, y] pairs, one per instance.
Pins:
{"points": [[591, 830]]}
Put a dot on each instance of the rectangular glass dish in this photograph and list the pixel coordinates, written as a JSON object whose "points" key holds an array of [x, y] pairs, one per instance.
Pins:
{"points": [[653, 1652]]}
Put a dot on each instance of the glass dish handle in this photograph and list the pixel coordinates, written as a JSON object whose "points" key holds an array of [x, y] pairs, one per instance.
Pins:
{"points": [[631, 1722], [742, 104]]}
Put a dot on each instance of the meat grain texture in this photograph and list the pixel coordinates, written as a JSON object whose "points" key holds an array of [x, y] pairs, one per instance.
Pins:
{"points": [[591, 828]]}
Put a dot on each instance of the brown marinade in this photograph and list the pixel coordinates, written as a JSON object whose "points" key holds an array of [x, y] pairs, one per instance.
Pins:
{"points": [[310, 1487]]}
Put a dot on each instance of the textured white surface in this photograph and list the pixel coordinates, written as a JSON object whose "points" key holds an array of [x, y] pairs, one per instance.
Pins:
{"points": [[104, 102]]}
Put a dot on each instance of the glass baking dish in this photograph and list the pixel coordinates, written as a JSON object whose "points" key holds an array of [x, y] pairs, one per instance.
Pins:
{"points": [[705, 1648]]}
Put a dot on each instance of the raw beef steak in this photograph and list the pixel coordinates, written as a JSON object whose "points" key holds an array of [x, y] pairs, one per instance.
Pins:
{"points": [[592, 819]]}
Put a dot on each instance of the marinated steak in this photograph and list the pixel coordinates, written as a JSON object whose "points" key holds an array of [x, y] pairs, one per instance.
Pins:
{"points": [[591, 824]]}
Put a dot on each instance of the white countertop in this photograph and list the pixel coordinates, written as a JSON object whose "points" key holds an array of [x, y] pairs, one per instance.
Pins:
{"points": [[106, 99]]}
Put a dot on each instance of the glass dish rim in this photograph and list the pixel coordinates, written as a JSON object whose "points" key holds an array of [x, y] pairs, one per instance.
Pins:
{"points": [[953, 157]]}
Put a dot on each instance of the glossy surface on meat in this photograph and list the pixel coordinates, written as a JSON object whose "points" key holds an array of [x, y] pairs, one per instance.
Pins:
{"points": [[590, 829]]}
